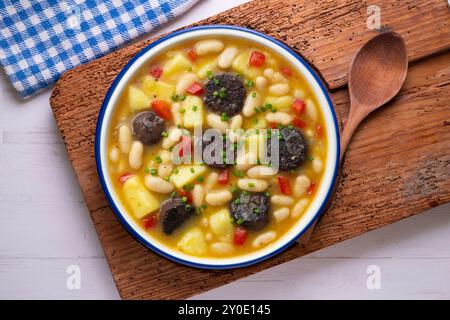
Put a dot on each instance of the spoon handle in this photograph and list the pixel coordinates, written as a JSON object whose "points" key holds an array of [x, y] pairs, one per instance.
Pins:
{"points": [[356, 115]]}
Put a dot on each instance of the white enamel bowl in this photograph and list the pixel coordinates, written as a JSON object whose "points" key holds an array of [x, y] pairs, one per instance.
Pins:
{"points": [[330, 171]]}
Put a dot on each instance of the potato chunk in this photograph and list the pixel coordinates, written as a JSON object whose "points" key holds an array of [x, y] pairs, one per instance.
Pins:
{"points": [[193, 242], [187, 174], [240, 65], [194, 111], [157, 89], [141, 201], [280, 103], [178, 63], [137, 99], [220, 224]]}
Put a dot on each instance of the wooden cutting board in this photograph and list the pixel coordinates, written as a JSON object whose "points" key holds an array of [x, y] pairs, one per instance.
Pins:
{"points": [[398, 164]]}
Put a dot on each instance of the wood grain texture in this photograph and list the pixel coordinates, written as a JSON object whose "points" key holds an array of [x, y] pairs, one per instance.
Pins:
{"points": [[390, 172]]}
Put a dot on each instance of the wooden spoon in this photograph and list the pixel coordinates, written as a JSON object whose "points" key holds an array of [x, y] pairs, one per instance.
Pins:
{"points": [[377, 72]]}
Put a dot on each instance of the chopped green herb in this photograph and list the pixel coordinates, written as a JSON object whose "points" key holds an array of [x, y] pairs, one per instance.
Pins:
{"points": [[216, 81], [192, 170], [165, 134], [209, 74], [240, 221], [238, 173], [182, 110], [174, 194], [215, 93], [237, 201], [249, 83], [182, 98], [256, 210], [254, 94], [147, 170], [158, 159], [222, 92], [200, 179], [175, 98], [184, 199], [255, 120], [153, 172], [224, 117], [176, 171], [189, 69], [310, 158], [233, 189], [251, 184], [188, 187], [194, 108]]}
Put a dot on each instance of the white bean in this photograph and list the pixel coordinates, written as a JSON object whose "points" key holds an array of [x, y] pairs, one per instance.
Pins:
{"points": [[165, 169], [252, 101], [211, 181], [166, 156], [279, 89], [222, 248], [215, 121], [255, 185], [311, 110], [264, 239], [279, 117], [158, 184], [261, 83], [278, 77], [218, 198], [184, 82], [136, 153], [124, 138], [235, 135], [301, 185], [299, 208], [198, 194], [172, 139], [114, 154], [268, 73], [317, 165], [236, 122], [226, 58], [261, 172], [244, 161], [282, 200], [281, 214], [205, 47], [299, 94], [176, 114]]}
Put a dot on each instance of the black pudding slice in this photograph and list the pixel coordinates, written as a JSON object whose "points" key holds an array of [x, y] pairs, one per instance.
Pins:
{"points": [[293, 148], [173, 213], [212, 140], [225, 93], [250, 210], [148, 127]]}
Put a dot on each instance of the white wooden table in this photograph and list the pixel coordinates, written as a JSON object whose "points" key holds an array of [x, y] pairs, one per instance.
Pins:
{"points": [[45, 227]]}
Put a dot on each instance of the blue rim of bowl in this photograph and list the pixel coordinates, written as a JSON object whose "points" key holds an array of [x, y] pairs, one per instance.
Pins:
{"points": [[117, 212]]}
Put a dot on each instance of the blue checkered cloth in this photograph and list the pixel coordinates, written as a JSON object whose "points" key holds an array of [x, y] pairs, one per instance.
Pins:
{"points": [[39, 39]]}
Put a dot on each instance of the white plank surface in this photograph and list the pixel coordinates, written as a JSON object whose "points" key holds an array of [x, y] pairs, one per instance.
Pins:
{"points": [[45, 227]]}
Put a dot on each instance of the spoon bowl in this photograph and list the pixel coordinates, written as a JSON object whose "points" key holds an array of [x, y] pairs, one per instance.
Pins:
{"points": [[376, 75]]}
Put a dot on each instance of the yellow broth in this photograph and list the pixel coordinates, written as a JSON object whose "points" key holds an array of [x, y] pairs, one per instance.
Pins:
{"points": [[119, 166]]}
